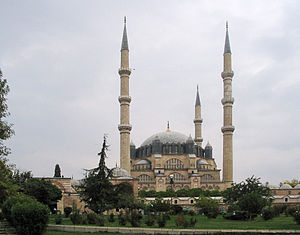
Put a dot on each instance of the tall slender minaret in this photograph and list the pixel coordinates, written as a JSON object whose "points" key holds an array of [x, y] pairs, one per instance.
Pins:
{"points": [[124, 99], [227, 103], [198, 121]]}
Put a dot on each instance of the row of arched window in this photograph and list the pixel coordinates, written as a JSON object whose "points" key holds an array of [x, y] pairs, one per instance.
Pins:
{"points": [[174, 164]]}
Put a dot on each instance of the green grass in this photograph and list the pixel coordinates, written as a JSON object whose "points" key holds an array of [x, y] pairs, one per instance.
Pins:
{"points": [[74, 233], [281, 223]]}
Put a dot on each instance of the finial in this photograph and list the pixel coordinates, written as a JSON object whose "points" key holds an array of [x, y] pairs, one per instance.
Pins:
{"points": [[116, 164], [197, 98], [168, 127], [227, 44], [124, 45]]}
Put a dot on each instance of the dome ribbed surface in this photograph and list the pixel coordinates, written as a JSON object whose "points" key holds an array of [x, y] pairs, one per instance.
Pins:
{"points": [[166, 137], [285, 186], [120, 172]]}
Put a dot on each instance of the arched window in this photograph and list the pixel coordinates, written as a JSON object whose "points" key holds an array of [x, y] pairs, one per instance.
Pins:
{"points": [[177, 177], [174, 164], [207, 178], [144, 178]]}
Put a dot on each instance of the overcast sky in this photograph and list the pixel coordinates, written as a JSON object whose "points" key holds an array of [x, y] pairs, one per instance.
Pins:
{"points": [[61, 60]]}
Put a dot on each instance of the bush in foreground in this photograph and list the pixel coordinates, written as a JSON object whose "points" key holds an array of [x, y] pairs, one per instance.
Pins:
{"points": [[267, 213], [297, 217], [150, 220], [26, 215], [68, 211]]}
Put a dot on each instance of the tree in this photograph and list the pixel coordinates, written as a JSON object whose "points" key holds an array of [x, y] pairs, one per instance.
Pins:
{"points": [[96, 190], [6, 130], [293, 182], [57, 172], [208, 206], [43, 191], [19, 178], [250, 196], [7, 187], [251, 185]]}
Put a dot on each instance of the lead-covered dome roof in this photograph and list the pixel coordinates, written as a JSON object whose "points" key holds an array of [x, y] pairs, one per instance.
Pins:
{"points": [[166, 137], [120, 172]]}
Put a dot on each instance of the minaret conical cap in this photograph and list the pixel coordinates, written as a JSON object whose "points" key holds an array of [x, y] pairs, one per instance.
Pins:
{"points": [[197, 98], [227, 43], [124, 39]]}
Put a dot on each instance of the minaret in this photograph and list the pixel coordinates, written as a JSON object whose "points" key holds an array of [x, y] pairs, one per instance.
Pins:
{"points": [[227, 103], [198, 121], [124, 99]]}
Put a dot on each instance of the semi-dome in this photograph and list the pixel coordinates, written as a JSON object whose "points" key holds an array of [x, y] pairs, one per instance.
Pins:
{"points": [[297, 186], [120, 172], [285, 186], [143, 162], [166, 137]]}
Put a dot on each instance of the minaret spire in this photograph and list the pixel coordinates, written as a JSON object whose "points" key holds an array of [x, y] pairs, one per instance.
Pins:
{"points": [[124, 45], [124, 99], [227, 43], [227, 103], [198, 120]]}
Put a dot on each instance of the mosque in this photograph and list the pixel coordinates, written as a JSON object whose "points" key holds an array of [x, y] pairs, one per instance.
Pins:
{"points": [[169, 159]]}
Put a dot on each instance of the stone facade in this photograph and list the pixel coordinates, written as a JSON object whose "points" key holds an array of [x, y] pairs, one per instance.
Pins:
{"points": [[69, 195]]}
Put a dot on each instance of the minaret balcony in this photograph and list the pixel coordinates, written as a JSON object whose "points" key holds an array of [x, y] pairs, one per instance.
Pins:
{"points": [[198, 120], [124, 127], [227, 74], [226, 101], [126, 71], [124, 98], [227, 129]]}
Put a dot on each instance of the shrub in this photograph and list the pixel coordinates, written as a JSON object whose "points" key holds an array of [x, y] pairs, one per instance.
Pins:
{"points": [[193, 221], [236, 215], [84, 219], [111, 218], [208, 207], [233, 207], [176, 209], [279, 209], [150, 220], [122, 219], [297, 217], [91, 218], [161, 221], [100, 220], [76, 217], [68, 211], [58, 219], [166, 216], [192, 213], [290, 211], [8, 204], [30, 218], [267, 213], [1, 215], [135, 219], [182, 222]]}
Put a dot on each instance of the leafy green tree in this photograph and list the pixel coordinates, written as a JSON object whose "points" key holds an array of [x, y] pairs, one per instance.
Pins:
{"points": [[208, 206], [7, 186], [251, 185], [96, 190], [57, 172], [253, 203], [20, 178], [250, 196], [43, 191], [6, 130]]}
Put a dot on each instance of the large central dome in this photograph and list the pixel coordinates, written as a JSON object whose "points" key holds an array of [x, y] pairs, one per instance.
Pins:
{"points": [[166, 137]]}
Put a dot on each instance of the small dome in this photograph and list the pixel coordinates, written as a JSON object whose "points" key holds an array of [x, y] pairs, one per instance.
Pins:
{"points": [[297, 186], [166, 137], [272, 186], [120, 172], [285, 186], [202, 162], [143, 162]]}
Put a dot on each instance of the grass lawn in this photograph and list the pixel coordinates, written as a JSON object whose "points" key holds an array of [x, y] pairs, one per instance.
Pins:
{"points": [[73, 233], [281, 223]]}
